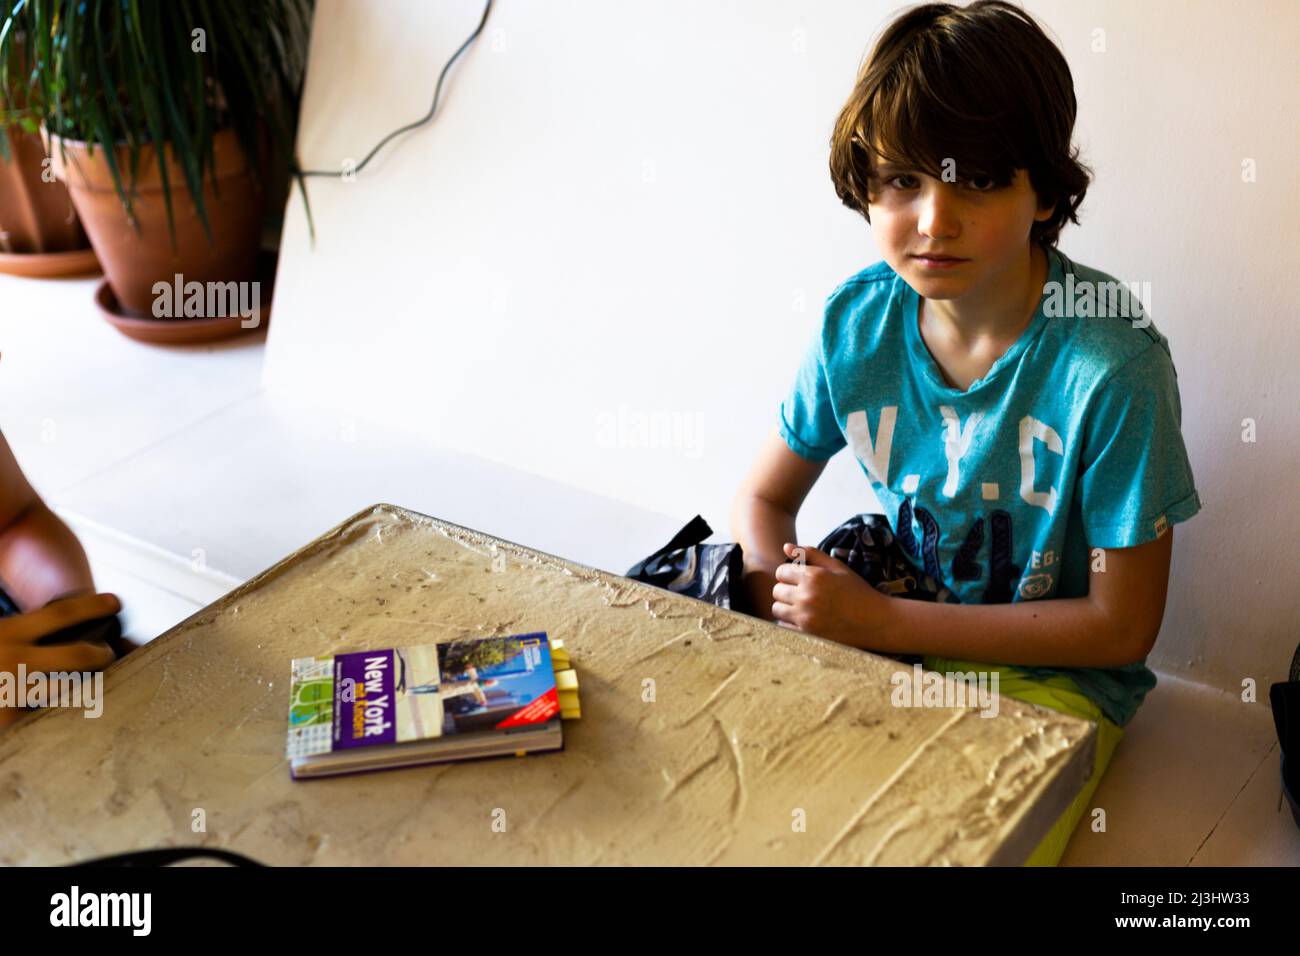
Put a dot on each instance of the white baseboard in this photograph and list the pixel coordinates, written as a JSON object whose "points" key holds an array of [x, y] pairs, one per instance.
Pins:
{"points": [[190, 580]]}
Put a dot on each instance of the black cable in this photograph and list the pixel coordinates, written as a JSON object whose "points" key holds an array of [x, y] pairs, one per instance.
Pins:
{"points": [[418, 123], [166, 856]]}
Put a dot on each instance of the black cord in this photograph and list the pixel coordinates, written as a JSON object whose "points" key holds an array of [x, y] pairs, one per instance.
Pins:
{"points": [[166, 856], [418, 123]]}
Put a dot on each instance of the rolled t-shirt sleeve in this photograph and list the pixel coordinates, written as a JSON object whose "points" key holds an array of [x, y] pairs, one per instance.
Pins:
{"points": [[807, 417], [1135, 479]]}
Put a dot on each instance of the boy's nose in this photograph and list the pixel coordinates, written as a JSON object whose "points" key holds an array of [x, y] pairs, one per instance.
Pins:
{"points": [[937, 217]]}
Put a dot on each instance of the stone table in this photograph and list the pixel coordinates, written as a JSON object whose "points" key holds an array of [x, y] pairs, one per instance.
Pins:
{"points": [[706, 736]]}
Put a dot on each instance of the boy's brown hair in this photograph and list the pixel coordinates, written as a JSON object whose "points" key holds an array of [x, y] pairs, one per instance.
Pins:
{"points": [[982, 85]]}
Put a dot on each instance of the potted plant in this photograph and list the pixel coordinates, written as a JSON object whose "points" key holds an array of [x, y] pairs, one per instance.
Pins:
{"points": [[170, 122], [39, 231]]}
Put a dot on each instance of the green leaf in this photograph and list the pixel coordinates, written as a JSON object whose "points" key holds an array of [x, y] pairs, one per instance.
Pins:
{"points": [[121, 74]]}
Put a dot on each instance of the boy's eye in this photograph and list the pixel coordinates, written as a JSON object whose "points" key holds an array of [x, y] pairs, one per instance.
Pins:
{"points": [[989, 187]]}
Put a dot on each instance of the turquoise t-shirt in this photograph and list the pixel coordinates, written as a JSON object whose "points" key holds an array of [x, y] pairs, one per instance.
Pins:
{"points": [[1070, 442]]}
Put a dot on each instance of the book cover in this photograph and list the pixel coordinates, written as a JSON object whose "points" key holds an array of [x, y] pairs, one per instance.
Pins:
{"points": [[399, 695]]}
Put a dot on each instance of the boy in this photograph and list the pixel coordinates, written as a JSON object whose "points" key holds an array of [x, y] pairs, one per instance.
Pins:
{"points": [[1018, 420]]}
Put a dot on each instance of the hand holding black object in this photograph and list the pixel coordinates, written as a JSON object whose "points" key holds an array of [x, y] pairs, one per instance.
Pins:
{"points": [[68, 634], [84, 617]]}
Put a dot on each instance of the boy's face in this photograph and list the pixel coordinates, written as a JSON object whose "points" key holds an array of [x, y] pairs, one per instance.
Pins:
{"points": [[987, 226]]}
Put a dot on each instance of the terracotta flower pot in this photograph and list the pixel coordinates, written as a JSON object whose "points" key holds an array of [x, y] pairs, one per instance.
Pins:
{"points": [[134, 260], [39, 231], [36, 215]]}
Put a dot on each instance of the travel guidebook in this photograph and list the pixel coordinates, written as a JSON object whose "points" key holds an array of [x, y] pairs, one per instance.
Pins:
{"points": [[375, 710]]}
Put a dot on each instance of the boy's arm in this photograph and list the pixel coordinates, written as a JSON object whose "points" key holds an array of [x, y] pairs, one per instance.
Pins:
{"points": [[40, 558], [763, 515], [1115, 624]]}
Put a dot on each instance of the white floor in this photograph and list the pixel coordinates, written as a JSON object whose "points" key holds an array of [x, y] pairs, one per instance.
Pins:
{"points": [[181, 450], [183, 477]]}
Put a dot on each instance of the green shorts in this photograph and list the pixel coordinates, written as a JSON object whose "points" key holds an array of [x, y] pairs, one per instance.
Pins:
{"points": [[1057, 693]]}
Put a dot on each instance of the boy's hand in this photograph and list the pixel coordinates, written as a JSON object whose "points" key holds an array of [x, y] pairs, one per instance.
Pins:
{"points": [[821, 595], [20, 632]]}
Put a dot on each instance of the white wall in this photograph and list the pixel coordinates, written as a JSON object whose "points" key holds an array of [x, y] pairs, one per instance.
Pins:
{"points": [[623, 209]]}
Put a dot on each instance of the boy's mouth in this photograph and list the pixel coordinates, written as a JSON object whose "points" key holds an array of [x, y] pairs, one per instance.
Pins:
{"points": [[939, 262]]}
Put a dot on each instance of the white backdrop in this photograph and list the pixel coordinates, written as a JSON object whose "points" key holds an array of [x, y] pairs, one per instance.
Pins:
{"points": [[603, 259]]}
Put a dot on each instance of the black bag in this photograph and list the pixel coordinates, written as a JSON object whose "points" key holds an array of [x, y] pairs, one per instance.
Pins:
{"points": [[704, 571], [1285, 698], [867, 544], [712, 572]]}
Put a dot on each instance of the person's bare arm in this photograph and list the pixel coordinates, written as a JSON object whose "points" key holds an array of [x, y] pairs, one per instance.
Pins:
{"points": [[1115, 624], [763, 515], [40, 558]]}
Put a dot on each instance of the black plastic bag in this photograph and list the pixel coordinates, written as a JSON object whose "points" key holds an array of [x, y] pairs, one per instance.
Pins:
{"points": [[713, 572], [709, 572], [1285, 699], [867, 544]]}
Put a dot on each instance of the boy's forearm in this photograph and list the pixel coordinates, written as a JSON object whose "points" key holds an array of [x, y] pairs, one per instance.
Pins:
{"points": [[761, 529], [1056, 632], [41, 559]]}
